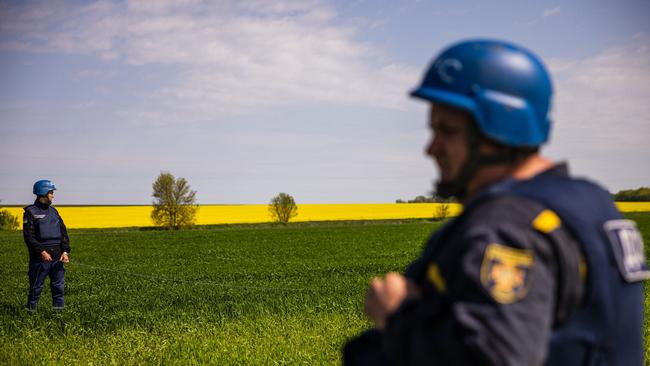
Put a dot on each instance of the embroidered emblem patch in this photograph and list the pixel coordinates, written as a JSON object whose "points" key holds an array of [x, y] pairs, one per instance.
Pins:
{"points": [[628, 249], [505, 272]]}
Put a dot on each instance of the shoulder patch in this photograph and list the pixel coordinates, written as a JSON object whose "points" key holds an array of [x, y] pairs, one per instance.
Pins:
{"points": [[627, 245], [547, 221], [506, 272]]}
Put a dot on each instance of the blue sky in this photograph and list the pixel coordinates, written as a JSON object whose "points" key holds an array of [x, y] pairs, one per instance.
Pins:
{"points": [[246, 99]]}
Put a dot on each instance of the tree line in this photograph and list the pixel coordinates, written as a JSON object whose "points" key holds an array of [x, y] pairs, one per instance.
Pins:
{"points": [[433, 198], [641, 194]]}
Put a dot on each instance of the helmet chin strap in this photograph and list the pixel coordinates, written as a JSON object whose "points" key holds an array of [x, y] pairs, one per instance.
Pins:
{"points": [[458, 187]]}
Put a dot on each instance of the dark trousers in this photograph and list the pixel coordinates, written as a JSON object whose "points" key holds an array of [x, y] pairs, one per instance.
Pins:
{"points": [[38, 271]]}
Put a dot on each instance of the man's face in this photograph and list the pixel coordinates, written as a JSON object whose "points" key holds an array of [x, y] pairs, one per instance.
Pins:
{"points": [[448, 146], [47, 199]]}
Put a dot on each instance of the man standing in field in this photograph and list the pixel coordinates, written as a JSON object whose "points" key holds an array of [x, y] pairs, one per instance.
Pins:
{"points": [[540, 268], [48, 244]]}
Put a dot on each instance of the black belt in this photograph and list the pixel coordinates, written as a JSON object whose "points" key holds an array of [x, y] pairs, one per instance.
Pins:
{"points": [[52, 248]]}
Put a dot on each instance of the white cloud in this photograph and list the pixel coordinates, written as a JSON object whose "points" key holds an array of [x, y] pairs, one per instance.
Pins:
{"points": [[608, 91], [95, 74], [445, 12], [602, 112], [160, 6], [232, 56], [539, 19], [288, 7], [552, 11]]}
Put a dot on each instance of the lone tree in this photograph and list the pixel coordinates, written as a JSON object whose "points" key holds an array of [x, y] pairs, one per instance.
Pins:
{"points": [[282, 208], [174, 204]]}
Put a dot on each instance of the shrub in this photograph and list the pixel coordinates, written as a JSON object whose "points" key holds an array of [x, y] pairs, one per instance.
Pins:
{"points": [[441, 212], [8, 221]]}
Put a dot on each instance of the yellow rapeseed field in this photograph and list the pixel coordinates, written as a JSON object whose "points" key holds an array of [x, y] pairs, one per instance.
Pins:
{"points": [[633, 206], [128, 216]]}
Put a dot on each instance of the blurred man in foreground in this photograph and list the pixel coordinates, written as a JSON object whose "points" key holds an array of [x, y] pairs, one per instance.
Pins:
{"points": [[540, 268]]}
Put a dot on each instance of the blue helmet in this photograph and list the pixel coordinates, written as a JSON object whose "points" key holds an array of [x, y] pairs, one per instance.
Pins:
{"points": [[505, 88], [43, 186]]}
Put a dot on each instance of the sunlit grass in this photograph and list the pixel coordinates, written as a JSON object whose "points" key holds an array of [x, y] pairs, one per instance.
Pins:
{"points": [[242, 294], [255, 295]]}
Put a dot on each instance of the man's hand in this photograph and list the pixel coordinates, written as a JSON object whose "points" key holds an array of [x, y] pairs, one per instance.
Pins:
{"points": [[385, 295], [45, 256], [64, 258]]}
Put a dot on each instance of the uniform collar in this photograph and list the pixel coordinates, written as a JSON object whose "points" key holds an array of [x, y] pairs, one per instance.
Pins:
{"points": [[560, 169], [40, 205]]}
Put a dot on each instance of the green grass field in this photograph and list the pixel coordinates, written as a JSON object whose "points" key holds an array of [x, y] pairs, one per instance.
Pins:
{"points": [[249, 294]]}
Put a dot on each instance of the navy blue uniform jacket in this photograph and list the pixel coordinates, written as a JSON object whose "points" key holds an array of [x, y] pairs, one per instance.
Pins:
{"points": [[497, 282], [43, 227]]}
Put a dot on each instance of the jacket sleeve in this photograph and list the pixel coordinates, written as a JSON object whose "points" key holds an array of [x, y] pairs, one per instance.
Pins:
{"points": [[65, 239], [365, 350], [497, 307], [29, 234]]}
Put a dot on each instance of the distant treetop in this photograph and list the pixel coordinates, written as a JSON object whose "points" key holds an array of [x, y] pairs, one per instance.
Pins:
{"points": [[633, 195], [426, 199]]}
